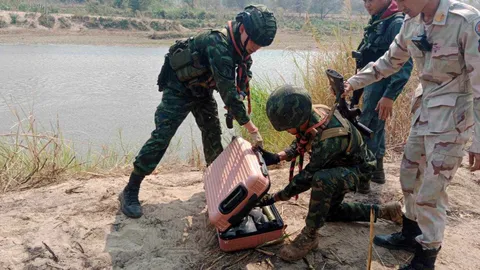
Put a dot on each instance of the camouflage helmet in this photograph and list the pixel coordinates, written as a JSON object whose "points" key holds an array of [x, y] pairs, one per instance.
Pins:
{"points": [[259, 23], [289, 107]]}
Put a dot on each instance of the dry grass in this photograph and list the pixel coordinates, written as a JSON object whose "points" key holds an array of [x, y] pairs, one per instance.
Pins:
{"points": [[31, 156]]}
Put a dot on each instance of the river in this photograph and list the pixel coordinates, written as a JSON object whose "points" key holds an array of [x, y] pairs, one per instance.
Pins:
{"points": [[100, 95]]}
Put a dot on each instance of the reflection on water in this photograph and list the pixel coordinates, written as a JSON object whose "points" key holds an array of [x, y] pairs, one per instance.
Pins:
{"points": [[97, 92]]}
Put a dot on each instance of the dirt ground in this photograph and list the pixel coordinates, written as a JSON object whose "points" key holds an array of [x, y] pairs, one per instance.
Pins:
{"points": [[79, 221]]}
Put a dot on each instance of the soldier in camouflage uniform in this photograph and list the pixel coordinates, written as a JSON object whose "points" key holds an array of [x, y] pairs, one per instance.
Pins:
{"points": [[443, 37], [193, 68], [378, 98], [338, 158]]}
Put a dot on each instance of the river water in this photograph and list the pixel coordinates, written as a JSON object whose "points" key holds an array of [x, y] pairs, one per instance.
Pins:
{"points": [[96, 93]]}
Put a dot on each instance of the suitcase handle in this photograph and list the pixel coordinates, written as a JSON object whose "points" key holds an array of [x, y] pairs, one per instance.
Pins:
{"points": [[233, 199], [263, 166], [237, 218]]}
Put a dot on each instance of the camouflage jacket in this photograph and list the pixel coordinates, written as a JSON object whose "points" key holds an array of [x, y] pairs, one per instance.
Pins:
{"points": [[449, 99], [347, 150], [217, 52]]}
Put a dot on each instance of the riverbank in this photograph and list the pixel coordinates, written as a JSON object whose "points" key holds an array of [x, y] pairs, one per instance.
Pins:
{"points": [[36, 28], [285, 39]]}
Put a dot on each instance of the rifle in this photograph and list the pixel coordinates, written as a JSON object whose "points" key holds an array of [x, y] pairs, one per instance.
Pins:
{"points": [[336, 82], [359, 65]]}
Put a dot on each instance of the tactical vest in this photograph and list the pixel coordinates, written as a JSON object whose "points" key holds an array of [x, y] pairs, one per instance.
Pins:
{"points": [[374, 43], [187, 63], [328, 133]]}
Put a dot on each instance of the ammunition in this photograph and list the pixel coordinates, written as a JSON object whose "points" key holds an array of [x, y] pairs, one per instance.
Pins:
{"points": [[268, 212]]}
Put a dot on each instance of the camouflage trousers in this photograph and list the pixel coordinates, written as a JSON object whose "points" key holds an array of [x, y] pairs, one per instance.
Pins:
{"points": [[176, 104], [429, 164], [329, 187]]}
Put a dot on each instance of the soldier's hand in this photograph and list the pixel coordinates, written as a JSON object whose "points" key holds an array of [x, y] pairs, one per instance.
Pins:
{"points": [[474, 161], [268, 199], [257, 139], [270, 158], [384, 108], [348, 89]]}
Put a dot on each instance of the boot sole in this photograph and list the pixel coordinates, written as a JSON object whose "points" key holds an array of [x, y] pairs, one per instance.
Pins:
{"points": [[393, 247], [380, 182]]}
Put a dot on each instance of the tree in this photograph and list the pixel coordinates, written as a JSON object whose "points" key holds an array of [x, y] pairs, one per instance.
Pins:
{"points": [[325, 7]]}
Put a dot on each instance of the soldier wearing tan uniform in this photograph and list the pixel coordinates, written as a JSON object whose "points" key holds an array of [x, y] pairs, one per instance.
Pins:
{"points": [[443, 38]]}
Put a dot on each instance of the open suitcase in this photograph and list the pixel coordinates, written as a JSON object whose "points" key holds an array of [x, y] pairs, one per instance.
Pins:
{"points": [[234, 182]]}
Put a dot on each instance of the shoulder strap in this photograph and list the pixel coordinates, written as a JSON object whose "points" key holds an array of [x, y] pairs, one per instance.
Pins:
{"points": [[337, 131]]}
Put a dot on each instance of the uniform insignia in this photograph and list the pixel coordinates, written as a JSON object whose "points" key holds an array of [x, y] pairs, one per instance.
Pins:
{"points": [[440, 17], [477, 28]]}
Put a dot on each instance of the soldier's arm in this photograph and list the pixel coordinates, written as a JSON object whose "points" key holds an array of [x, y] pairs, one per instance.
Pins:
{"points": [[399, 79], [223, 70], [470, 39], [391, 62], [323, 153]]}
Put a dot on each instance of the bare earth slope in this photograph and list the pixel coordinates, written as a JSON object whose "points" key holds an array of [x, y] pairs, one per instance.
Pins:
{"points": [[79, 221]]}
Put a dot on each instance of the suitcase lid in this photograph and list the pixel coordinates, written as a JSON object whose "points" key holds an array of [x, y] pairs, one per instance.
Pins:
{"points": [[237, 174]]}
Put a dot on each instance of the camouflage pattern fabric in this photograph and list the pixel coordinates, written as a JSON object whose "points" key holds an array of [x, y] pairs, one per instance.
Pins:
{"points": [[446, 108], [261, 26], [378, 40], [288, 106], [428, 166], [336, 166], [178, 101], [171, 112]]}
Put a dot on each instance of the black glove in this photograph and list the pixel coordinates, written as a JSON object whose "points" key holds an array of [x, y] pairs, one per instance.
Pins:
{"points": [[267, 199], [270, 158]]}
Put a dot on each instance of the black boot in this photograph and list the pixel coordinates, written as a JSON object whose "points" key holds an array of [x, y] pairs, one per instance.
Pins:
{"points": [[423, 259], [129, 202], [364, 187], [378, 175], [401, 240]]}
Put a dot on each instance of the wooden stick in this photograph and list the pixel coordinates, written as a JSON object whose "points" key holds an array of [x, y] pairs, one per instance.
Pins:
{"points": [[370, 243], [55, 258]]}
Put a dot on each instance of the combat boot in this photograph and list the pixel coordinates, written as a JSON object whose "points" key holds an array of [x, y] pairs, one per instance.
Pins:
{"points": [[423, 259], [404, 239], [391, 211], [363, 187], [128, 198], [378, 175], [307, 240]]}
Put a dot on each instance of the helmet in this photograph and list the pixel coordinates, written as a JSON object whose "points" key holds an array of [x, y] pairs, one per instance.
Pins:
{"points": [[259, 23], [289, 107]]}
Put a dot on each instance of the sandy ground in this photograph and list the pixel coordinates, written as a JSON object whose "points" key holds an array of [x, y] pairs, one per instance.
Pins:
{"points": [[79, 222]]}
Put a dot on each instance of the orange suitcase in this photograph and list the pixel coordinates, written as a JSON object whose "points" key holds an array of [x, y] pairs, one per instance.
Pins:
{"points": [[234, 183]]}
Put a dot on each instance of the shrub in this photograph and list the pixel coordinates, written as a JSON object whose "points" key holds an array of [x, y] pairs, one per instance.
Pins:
{"points": [[46, 20], [64, 23], [108, 23], [124, 24], [92, 23], [13, 18], [3, 23], [138, 25], [157, 26], [191, 24]]}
